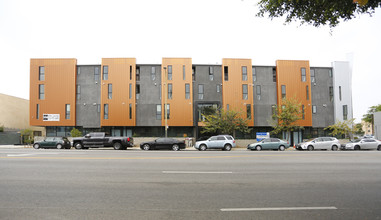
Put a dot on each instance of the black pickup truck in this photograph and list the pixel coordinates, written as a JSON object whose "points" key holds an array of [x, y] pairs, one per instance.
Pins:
{"points": [[99, 139]]}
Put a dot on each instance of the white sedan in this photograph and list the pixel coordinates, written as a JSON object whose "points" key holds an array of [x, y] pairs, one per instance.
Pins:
{"points": [[364, 144]]}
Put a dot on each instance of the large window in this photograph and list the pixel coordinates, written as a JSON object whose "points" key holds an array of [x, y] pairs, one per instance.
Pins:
{"points": [[109, 91], [78, 70], [314, 109], [130, 72], [78, 92], [218, 88], [303, 72], [169, 90], [274, 74], [345, 112], [153, 73], [211, 76], [226, 73], [312, 72], [130, 91], [137, 73], [200, 91], [330, 73], [244, 73], [168, 111], [340, 93], [137, 91], [105, 111], [105, 72], [130, 111], [158, 112], [170, 72], [41, 73], [254, 72], [258, 92], [307, 92], [205, 109], [248, 111], [38, 111], [41, 91], [184, 75], [67, 111], [187, 91], [193, 73], [244, 92], [331, 93], [283, 91], [303, 115], [96, 74]]}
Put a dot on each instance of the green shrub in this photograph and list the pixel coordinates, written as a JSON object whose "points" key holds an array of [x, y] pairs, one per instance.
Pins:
{"points": [[75, 133]]}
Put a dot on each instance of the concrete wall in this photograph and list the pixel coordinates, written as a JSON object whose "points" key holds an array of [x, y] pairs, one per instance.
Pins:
{"points": [[263, 107], [87, 112], [342, 77], [324, 115], [149, 96], [377, 125]]}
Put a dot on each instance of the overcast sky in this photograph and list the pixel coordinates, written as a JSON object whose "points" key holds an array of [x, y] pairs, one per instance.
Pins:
{"points": [[205, 30]]}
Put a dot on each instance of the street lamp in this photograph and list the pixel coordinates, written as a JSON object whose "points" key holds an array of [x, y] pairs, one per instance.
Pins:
{"points": [[165, 102]]}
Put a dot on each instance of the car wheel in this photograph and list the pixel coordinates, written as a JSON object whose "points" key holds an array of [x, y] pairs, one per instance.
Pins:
{"points": [[281, 148], [357, 147], [59, 146], [379, 147], [227, 147], [117, 146], [334, 148], [146, 147], [310, 148], [202, 147], [78, 146], [36, 146], [258, 148], [175, 147]]}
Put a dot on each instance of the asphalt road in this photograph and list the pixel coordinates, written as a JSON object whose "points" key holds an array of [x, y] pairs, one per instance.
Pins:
{"points": [[134, 184]]}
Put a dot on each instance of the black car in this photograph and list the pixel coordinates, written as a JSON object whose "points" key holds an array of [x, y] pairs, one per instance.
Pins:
{"points": [[53, 142], [163, 143]]}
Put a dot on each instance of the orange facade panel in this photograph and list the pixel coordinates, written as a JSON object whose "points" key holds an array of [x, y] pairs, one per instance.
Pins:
{"points": [[174, 80], [118, 99], [294, 77], [237, 87], [52, 92]]}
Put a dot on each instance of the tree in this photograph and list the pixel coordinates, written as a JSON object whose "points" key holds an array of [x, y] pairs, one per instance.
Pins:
{"points": [[27, 136], [75, 133], [342, 128], [225, 122], [358, 129], [369, 116], [1, 128], [286, 116], [317, 12]]}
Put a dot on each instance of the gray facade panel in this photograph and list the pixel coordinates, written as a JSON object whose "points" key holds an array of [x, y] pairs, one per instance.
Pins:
{"points": [[324, 115], [210, 86], [149, 96], [87, 114], [268, 95]]}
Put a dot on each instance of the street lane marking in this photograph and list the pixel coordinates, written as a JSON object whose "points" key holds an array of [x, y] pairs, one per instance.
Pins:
{"points": [[197, 172], [277, 209], [24, 155]]}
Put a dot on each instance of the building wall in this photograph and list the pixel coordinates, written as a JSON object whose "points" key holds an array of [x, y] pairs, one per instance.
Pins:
{"points": [[324, 115], [89, 102], [59, 82], [289, 74], [342, 77], [268, 98], [377, 125], [149, 96]]}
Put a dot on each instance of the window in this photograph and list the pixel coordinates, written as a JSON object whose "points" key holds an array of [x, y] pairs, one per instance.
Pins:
{"points": [[38, 111], [137, 91], [169, 90], [314, 109], [248, 111], [130, 91], [244, 92], [244, 73], [183, 72], [137, 73], [41, 73], [226, 73], [205, 109], [158, 112], [211, 73], [78, 70], [67, 111], [303, 115], [273, 111], [159, 92], [274, 74], [130, 72], [168, 112], [169, 72], [330, 73], [153, 73], [303, 71], [227, 107], [109, 91], [345, 112], [331, 93], [258, 92], [187, 91], [340, 93], [312, 72], [283, 91], [105, 72], [96, 74], [41, 91], [193, 73], [200, 91], [130, 111], [218, 88], [307, 93], [105, 112], [78, 92], [98, 108], [254, 72]]}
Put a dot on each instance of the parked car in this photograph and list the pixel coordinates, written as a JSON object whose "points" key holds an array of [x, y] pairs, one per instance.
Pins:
{"points": [[53, 142], [224, 142], [362, 144], [320, 143], [269, 144], [99, 139], [163, 143]]}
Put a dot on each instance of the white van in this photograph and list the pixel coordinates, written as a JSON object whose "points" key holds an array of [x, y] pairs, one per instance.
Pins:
{"points": [[320, 143]]}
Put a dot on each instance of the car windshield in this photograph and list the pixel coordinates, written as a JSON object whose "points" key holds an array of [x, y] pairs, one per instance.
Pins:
{"points": [[356, 141]]}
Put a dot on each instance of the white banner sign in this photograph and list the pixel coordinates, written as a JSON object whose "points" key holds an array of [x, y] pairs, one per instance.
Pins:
{"points": [[51, 117]]}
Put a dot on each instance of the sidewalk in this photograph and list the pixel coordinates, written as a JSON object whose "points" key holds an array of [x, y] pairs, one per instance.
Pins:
{"points": [[14, 146]]}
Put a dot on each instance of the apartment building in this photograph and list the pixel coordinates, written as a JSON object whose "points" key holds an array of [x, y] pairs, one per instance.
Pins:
{"points": [[122, 97]]}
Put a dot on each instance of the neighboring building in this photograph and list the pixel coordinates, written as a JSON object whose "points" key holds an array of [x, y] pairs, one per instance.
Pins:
{"points": [[367, 128], [125, 98], [377, 125]]}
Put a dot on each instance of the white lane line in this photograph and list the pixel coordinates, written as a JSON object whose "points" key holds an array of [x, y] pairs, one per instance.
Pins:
{"points": [[277, 209], [197, 172], [24, 155]]}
